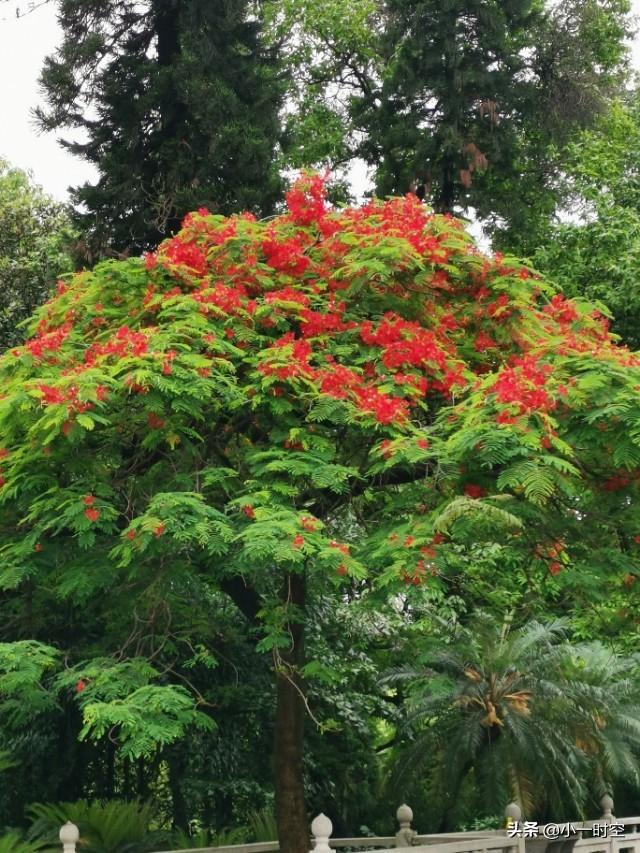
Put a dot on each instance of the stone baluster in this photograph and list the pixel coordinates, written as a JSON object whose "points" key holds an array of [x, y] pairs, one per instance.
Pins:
{"points": [[607, 809], [405, 835], [69, 835], [513, 814], [321, 829]]}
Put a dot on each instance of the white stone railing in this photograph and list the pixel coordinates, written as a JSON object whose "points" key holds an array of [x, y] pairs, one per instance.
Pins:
{"points": [[583, 837]]}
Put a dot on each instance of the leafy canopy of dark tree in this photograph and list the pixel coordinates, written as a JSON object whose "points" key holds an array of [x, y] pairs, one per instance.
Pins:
{"points": [[177, 106], [471, 96]]}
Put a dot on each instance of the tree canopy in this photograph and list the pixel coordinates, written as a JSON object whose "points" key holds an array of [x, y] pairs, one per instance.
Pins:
{"points": [[331, 401]]}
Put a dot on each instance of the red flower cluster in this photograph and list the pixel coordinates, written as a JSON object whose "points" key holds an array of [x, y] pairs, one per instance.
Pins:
{"points": [[523, 385], [155, 421], [472, 490], [49, 341], [403, 343], [315, 323], [484, 342], [287, 294], [306, 200], [286, 256], [232, 299], [563, 311], [169, 356], [125, 342], [187, 255], [54, 396]]}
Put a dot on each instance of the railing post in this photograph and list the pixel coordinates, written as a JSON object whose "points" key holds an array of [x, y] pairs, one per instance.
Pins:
{"points": [[321, 829], [69, 835], [513, 814], [405, 835], [607, 809]]}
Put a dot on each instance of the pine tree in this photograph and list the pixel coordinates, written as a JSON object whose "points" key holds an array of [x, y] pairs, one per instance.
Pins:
{"points": [[474, 99], [436, 116], [177, 104]]}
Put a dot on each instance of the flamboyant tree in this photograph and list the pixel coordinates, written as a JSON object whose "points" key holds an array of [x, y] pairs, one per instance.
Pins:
{"points": [[280, 409]]}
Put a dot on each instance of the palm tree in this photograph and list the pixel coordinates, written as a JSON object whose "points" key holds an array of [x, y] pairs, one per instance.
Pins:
{"points": [[522, 715]]}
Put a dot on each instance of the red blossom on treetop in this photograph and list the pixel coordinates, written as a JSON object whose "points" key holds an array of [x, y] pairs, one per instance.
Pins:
{"points": [[319, 338]]}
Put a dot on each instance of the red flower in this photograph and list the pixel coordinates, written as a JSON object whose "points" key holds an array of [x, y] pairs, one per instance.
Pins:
{"points": [[88, 500], [155, 421], [159, 530], [306, 199], [286, 256], [37, 547], [80, 685], [92, 514], [555, 568], [342, 569], [309, 524], [422, 443], [51, 396], [298, 540], [249, 511], [130, 534], [474, 491]]}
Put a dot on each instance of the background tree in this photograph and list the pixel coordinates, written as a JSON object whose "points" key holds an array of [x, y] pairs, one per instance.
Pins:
{"points": [[471, 104], [437, 115], [35, 239], [522, 715], [177, 104], [594, 251]]}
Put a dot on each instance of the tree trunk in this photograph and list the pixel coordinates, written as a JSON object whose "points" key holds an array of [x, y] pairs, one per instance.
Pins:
{"points": [[177, 767], [291, 815]]}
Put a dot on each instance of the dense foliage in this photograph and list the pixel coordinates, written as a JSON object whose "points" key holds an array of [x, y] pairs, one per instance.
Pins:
{"points": [[594, 252], [35, 238]]}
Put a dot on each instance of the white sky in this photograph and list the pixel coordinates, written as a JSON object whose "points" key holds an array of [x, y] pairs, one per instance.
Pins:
{"points": [[24, 42]]}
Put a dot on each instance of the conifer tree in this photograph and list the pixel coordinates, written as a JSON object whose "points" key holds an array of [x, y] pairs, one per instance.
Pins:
{"points": [[472, 100], [177, 106]]}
